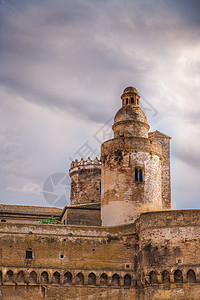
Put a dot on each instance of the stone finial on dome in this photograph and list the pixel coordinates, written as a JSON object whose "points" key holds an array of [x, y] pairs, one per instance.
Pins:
{"points": [[130, 96]]}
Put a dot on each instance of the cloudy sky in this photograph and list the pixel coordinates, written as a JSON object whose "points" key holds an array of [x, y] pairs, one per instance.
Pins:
{"points": [[63, 67]]}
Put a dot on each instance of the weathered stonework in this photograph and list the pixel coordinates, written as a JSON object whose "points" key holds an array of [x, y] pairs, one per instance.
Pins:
{"points": [[143, 250], [157, 257], [85, 181], [166, 178]]}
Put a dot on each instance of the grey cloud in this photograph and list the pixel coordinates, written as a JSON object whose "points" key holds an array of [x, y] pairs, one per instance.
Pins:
{"points": [[77, 56]]}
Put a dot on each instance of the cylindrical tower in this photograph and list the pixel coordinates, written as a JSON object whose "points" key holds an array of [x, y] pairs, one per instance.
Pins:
{"points": [[85, 181], [131, 166]]}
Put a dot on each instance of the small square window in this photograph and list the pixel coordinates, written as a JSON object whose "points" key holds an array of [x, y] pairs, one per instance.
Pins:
{"points": [[29, 254]]}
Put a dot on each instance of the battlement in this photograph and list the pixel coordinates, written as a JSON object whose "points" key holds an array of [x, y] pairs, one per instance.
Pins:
{"points": [[89, 163]]}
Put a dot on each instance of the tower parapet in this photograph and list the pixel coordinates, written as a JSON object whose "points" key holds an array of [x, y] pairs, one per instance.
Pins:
{"points": [[85, 181]]}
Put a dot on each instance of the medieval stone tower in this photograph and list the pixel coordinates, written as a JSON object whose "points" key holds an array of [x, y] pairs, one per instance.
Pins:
{"points": [[85, 181], [135, 166]]}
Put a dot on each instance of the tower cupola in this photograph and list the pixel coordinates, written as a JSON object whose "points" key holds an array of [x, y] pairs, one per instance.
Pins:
{"points": [[130, 96], [130, 120]]}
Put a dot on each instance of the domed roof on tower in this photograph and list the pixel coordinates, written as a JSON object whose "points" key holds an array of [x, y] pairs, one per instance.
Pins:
{"points": [[130, 120]]}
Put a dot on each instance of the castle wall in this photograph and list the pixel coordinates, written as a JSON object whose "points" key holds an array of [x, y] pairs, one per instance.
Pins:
{"points": [[27, 214], [123, 199], [82, 216], [157, 257], [168, 254], [61, 250]]}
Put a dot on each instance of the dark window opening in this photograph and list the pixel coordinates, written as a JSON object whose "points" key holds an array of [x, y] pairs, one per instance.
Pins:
{"points": [[115, 280], [132, 100], [61, 256], [138, 175], [153, 277], [127, 280], [100, 187], [3, 221], [92, 279], [127, 266], [29, 254], [64, 222], [103, 279], [178, 277], [79, 279], [56, 278], [126, 100], [44, 277], [68, 278]]}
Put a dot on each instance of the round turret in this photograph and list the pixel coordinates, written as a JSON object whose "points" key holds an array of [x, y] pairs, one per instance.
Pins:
{"points": [[85, 181]]}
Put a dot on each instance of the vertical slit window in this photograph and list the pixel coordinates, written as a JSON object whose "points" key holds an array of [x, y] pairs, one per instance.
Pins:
{"points": [[138, 175]]}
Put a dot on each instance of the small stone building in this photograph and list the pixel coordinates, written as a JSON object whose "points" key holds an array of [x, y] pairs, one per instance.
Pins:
{"points": [[119, 238]]}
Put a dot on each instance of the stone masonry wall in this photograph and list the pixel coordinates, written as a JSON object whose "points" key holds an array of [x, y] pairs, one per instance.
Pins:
{"points": [[166, 177], [123, 199], [155, 258]]}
